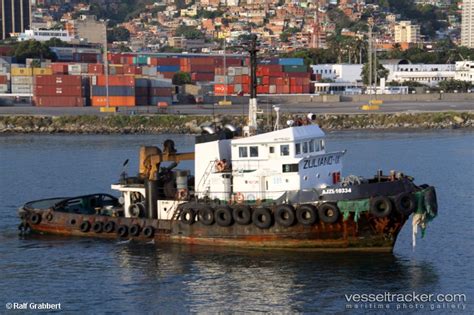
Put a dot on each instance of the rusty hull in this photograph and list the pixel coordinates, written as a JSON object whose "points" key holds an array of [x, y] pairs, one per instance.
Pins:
{"points": [[368, 234]]}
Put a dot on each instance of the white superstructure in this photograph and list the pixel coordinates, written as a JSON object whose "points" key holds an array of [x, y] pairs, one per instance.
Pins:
{"points": [[265, 166]]}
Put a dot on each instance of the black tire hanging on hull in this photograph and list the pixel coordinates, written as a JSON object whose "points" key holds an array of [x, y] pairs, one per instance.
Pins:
{"points": [[85, 226], [109, 227], [223, 216], [188, 216], [134, 230], [262, 218], [328, 212], [97, 227], [35, 218], [242, 215], [405, 203], [285, 215], [122, 231], [307, 214], [380, 206], [206, 216], [149, 232]]}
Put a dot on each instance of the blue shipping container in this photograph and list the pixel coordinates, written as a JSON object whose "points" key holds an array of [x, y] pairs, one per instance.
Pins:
{"points": [[291, 61], [170, 68], [113, 91]]}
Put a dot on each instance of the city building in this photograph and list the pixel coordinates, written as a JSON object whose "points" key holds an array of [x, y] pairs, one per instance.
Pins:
{"points": [[338, 72], [87, 28], [464, 71], [467, 24], [405, 32], [15, 18], [45, 35], [427, 74]]}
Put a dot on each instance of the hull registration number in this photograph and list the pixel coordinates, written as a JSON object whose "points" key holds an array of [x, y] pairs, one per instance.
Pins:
{"points": [[331, 191]]}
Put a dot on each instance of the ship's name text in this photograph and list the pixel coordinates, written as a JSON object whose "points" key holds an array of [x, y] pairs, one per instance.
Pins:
{"points": [[321, 161]]}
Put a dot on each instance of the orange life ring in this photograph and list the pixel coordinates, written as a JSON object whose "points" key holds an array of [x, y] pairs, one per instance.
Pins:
{"points": [[239, 197], [182, 194]]}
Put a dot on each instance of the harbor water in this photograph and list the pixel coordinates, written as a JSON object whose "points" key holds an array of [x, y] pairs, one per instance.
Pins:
{"points": [[98, 276]]}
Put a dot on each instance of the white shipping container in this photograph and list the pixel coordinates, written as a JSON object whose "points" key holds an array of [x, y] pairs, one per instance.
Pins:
{"points": [[4, 88], [245, 71], [77, 68], [22, 80], [272, 89], [22, 89]]}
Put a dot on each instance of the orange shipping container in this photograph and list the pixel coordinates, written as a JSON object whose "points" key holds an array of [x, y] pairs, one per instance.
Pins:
{"points": [[113, 101], [59, 68], [115, 80], [220, 89], [3, 79]]}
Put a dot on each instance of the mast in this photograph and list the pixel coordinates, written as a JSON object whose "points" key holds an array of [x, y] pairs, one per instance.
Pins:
{"points": [[371, 23], [225, 71], [251, 127]]}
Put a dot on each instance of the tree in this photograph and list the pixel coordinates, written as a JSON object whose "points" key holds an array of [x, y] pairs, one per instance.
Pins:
{"points": [[118, 34], [381, 73], [455, 85], [32, 49], [189, 32], [180, 78]]}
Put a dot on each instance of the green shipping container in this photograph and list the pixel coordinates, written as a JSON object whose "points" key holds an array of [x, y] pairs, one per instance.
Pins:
{"points": [[295, 69], [140, 60]]}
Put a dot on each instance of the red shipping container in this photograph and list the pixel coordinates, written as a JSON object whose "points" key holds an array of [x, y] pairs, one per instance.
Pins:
{"points": [[59, 101], [202, 76], [264, 70], [265, 80], [277, 74], [245, 79], [285, 89], [132, 69], [58, 80], [51, 90], [116, 80], [246, 88], [141, 91], [59, 68], [306, 89], [273, 81], [95, 68], [3, 79], [166, 61], [238, 79], [299, 74], [116, 69], [202, 68], [203, 61], [230, 62], [219, 71]]}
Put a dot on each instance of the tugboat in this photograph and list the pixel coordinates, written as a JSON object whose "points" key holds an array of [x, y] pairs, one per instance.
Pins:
{"points": [[278, 189]]}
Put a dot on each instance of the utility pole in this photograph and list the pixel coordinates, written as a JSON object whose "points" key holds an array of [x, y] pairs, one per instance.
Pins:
{"points": [[371, 24]]}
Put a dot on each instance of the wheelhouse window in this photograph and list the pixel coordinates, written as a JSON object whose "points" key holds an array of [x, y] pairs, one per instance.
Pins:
{"points": [[271, 149], [284, 150], [322, 144], [316, 146], [305, 147], [311, 145], [297, 148], [290, 168], [253, 151], [243, 153]]}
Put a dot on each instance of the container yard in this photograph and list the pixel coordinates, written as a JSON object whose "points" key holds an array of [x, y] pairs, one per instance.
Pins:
{"points": [[142, 79]]}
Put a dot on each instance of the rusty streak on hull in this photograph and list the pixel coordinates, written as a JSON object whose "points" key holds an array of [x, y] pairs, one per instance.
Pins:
{"points": [[368, 234]]}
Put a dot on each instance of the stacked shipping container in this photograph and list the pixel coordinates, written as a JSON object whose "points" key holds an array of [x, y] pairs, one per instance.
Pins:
{"points": [[60, 90]]}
